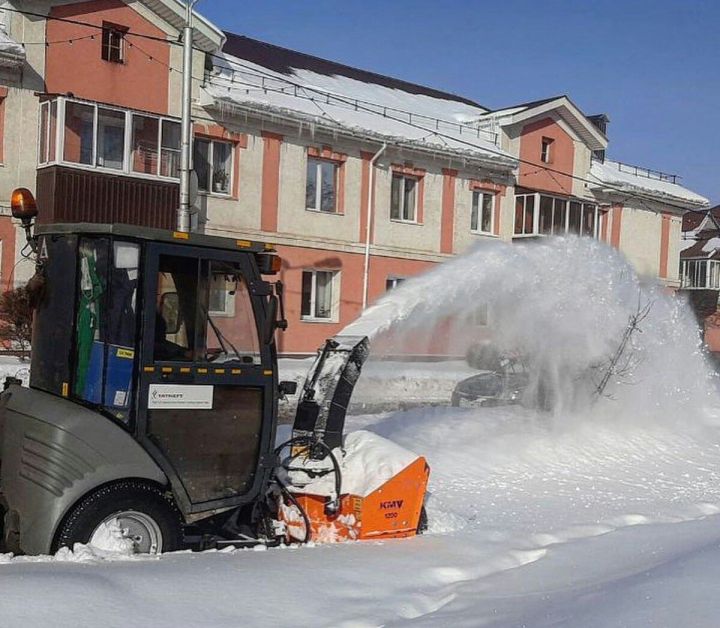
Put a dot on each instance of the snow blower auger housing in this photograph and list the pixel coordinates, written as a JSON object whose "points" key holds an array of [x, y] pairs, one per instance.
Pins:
{"points": [[358, 487], [151, 413]]}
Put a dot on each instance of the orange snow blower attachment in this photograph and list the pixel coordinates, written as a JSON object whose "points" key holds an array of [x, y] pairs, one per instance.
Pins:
{"points": [[394, 510], [338, 487]]}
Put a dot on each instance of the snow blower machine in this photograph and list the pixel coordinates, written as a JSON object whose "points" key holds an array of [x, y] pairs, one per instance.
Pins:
{"points": [[151, 416]]}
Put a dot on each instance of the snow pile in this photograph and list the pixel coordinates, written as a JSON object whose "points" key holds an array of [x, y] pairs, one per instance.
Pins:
{"points": [[366, 463], [563, 305], [610, 173]]}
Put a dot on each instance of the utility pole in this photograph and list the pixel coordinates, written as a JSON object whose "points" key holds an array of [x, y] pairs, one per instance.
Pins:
{"points": [[183, 215]]}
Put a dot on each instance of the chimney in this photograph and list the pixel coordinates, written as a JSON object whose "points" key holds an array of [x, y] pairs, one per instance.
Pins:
{"points": [[600, 122]]}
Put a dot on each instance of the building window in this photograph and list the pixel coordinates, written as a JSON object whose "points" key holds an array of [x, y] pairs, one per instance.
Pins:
{"points": [[546, 155], [145, 137], [479, 316], [97, 136], [403, 198], [540, 214], [481, 218], [170, 149], [318, 294], [321, 185], [213, 165], [393, 282], [110, 139], [79, 133], [113, 42], [525, 214], [700, 274], [48, 131], [222, 296]]}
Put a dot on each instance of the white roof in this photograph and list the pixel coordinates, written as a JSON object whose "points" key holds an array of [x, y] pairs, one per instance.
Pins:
{"points": [[346, 104], [614, 176]]}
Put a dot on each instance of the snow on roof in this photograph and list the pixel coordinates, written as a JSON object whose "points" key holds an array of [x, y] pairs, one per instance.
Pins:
{"points": [[611, 175], [273, 80]]}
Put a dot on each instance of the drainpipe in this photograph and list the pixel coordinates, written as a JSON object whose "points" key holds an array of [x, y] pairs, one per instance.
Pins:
{"points": [[366, 270], [183, 215]]}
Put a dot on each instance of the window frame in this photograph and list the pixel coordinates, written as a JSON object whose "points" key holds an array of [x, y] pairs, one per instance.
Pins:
{"points": [[334, 296], [319, 161], [229, 310], [401, 209], [476, 210], [546, 150], [689, 279], [59, 144], [106, 45], [211, 141], [568, 201], [393, 281]]}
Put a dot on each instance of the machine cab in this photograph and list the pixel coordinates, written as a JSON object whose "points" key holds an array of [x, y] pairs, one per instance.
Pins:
{"points": [[170, 336]]}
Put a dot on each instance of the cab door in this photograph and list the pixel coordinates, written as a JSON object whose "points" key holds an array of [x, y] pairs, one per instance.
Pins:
{"points": [[207, 378]]}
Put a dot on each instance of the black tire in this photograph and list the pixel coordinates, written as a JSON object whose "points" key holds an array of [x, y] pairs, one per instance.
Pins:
{"points": [[127, 495]]}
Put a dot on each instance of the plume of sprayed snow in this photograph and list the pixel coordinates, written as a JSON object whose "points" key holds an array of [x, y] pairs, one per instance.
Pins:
{"points": [[563, 304]]}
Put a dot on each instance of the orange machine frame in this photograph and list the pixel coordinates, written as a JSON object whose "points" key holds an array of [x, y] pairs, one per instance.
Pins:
{"points": [[389, 512]]}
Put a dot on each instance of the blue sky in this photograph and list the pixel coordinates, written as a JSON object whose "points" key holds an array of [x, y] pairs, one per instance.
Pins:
{"points": [[652, 66]]}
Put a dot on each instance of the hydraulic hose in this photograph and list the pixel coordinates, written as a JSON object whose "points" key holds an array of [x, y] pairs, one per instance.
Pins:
{"points": [[307, 440]]}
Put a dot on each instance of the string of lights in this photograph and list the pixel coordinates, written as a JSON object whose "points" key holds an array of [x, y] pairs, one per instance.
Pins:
{"points": [[47, 44]]}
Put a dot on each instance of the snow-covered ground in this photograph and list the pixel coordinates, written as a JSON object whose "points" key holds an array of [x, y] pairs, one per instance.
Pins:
{"points": [[593, 525]]}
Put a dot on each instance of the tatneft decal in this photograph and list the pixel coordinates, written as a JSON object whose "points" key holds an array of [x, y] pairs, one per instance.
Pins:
{"points": [[179, 397]]}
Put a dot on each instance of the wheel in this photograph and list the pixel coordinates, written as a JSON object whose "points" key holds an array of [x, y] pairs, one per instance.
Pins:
{"points": [[128, 515]]}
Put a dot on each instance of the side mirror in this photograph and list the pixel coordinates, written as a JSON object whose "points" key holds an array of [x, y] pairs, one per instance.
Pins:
{"points": [[270, 321], [170, 312], [287, 388]]}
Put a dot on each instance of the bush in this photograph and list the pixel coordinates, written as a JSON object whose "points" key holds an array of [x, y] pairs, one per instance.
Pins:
{"points": [[16, 319]]}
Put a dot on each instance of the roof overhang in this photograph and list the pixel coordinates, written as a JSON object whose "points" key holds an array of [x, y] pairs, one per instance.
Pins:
{"points": [[498, 163], [567, 110], [207, 36]]}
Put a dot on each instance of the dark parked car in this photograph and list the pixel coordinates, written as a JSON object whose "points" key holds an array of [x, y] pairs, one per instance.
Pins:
{"points": [[490, 389]]}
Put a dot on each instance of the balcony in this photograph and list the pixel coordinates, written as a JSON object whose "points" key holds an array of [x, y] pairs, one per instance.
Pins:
{"points": [[539, 214], [68, 194], [700, 274], [99, 163]]}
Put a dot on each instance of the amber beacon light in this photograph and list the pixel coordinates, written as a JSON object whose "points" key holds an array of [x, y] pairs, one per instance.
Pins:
{"points": [[23, 205]]}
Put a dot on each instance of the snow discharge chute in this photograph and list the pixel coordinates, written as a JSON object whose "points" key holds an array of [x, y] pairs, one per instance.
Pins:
{"points": [[328, 388]]}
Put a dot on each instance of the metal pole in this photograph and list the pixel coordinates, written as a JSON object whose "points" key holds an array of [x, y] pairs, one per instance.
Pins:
{"points": [[183, 216], [366, 270]]}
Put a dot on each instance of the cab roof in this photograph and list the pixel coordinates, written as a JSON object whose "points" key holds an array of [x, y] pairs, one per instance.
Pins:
{"points": [[153, 235]]}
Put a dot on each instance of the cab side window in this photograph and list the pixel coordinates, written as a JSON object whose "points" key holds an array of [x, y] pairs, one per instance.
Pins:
{"points": [[204, 312]]}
